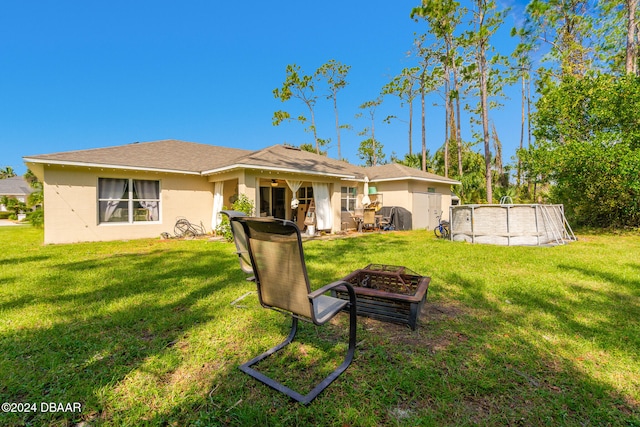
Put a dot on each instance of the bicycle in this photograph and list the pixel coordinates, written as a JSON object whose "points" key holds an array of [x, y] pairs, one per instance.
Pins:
{"points": [[442, 229]]}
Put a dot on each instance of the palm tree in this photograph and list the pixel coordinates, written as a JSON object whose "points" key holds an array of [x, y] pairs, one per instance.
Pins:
{"points": [[7, 173]]}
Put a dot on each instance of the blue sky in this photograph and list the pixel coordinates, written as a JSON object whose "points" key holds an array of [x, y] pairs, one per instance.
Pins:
{"points": [[77, 74]]}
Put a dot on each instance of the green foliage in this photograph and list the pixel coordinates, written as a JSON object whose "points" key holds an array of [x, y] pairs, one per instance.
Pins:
{"points": [[36, 218], [13, 205], [7, 172], [411, 160], [311, 149], [36, 198], [370, 150], [473, 188], [366, 152], [588, 145], [599, 182], [242, 204], [565, 28]]}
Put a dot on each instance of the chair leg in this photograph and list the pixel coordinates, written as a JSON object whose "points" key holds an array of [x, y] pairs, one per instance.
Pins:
{"points": [[349, 356], [246, 367]]}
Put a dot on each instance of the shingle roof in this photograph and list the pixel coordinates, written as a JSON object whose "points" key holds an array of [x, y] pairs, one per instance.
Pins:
{"points": [[293, 159], [189, 157], [15, 186], [396, 171], [168, 155]]}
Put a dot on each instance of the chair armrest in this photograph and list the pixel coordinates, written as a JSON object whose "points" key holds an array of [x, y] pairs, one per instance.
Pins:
{"points": [[326, 288]]}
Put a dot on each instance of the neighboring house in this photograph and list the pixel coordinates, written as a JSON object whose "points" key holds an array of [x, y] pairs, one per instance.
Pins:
{"points": [[138, 190], [15, 187]]}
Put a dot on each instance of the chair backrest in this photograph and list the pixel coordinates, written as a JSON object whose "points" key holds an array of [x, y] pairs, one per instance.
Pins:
{"points": [[275, 248], [369, 216], [240, 240]]}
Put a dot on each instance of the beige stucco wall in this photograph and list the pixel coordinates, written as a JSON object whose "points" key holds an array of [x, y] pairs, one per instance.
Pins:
{"points": [[71, 204], [399, 193]]}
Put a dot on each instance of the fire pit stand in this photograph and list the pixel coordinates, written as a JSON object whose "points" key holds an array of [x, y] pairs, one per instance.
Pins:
{"points": [[387, 292]]}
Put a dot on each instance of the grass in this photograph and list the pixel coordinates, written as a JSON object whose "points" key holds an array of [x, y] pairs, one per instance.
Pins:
{"points": [[143, 333]]}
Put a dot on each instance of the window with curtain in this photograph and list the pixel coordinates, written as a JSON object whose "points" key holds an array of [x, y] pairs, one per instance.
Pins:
{"points": [[122, 200], [348, 198]]}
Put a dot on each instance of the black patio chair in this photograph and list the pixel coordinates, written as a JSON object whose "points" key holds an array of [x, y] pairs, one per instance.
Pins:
{"points": [[275, 249]]}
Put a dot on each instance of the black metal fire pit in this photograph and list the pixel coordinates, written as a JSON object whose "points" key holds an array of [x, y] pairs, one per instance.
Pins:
{"points": [[387, 292]]}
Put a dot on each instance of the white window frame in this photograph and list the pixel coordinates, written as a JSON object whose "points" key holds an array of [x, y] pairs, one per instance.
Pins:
{"points": [[130, 200], [351, 195]]}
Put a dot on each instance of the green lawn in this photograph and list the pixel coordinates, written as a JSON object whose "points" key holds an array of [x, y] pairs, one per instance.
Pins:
{"points": [[143, 332]]}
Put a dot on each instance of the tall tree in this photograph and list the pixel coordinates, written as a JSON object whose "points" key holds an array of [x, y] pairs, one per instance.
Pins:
{"points": [[523, 66], [486, 21], [335, 73], [443, 18], [370, 107], [300, 86], [619, 35], [406, 87], [565, 27], [431, 76]]}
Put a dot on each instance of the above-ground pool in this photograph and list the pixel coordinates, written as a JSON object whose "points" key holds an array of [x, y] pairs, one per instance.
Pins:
{"points": [[509, 224]]}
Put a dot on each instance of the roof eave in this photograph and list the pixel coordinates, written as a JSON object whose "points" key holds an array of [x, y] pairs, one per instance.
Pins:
{"points": [[105, 165], [276, 169], [440, 181]]}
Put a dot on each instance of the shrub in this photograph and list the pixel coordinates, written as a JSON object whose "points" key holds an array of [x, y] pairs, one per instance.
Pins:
{"points": [[36, 218], [242, 204]]}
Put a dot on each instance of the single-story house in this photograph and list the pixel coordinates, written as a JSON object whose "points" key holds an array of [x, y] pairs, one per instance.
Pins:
{"points": [[15, 187], [139, 190]]}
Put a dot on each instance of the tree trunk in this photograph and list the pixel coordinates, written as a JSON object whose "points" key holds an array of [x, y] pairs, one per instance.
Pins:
{"points": [[522, 116], [482, 62], [373, 140], [458, 131], [502, 179], [447, 106], [313, 127], [452, 126], [631, 64], [335, 109], [424, 126], [410, 126]]}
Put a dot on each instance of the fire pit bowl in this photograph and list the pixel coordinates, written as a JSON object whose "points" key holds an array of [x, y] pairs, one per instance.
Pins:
{"points": [[387, 292]]}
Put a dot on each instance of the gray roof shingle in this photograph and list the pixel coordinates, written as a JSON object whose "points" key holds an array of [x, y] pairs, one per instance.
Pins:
{"points": [[169, 155], [15, 186], [393, 171], [296, 160], [181, 156]]}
